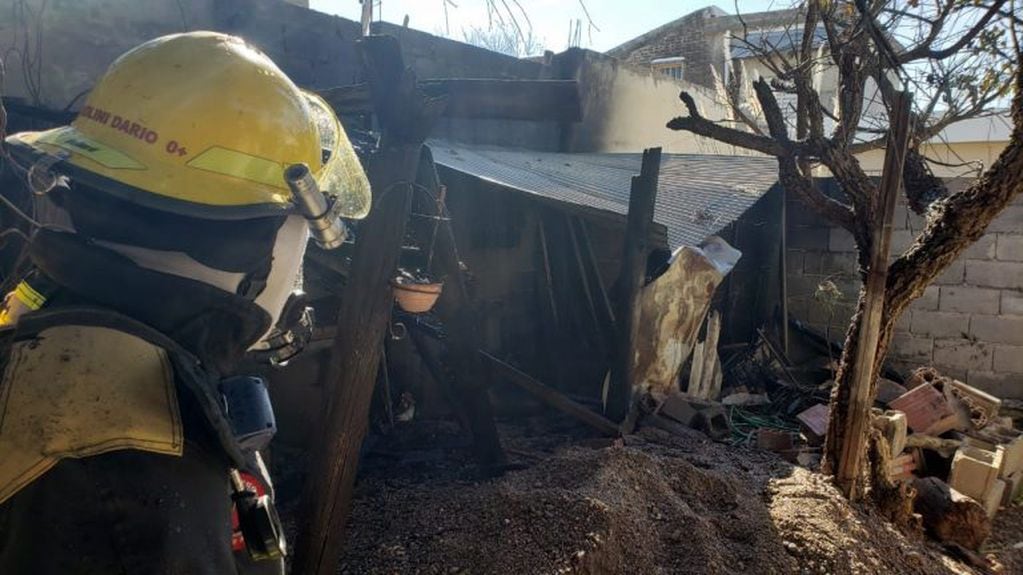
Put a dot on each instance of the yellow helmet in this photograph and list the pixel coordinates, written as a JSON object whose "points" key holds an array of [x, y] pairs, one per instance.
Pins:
{"points": [[202, 124]]}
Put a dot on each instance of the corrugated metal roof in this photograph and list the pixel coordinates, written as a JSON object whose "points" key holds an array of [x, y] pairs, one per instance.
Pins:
{"points": [[781, 40], [697, 195]]}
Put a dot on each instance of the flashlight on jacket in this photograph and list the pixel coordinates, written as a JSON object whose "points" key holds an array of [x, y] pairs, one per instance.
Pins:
{"points": [[325, 224]]}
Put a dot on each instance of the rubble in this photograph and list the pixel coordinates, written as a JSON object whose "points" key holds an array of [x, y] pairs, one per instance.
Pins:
{"points": [[746, 398], [993, 501], [815, 420], [959, 423], [927, 410], [773, 440], [902, 467], [983, 407], [1013, 483], [892, 425], [666, 504], [946, 438], [888, 390], [974, 471], [706, 416]]}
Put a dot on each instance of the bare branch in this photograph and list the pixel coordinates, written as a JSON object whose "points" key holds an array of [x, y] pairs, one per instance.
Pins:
{"points": [[924, 50], [792, 179], [788, 168], [772, 112], [701, 126], [960, 219], [809, 116], [733, 91]]}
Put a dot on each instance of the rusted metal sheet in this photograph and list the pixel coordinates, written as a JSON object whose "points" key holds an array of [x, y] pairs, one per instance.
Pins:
{"points": [[672, 308]]}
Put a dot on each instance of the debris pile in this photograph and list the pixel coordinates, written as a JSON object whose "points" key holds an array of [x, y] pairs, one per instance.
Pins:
{"points": [[946, 439], [654, 502], [964, 459], [760, 401]]}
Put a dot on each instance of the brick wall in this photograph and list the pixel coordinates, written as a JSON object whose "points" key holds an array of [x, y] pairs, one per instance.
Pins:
{"points": [[968, 324], [685, 37], [700, 38]]}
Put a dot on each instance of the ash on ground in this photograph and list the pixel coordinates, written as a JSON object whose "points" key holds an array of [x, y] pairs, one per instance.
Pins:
{"points": [[649, 503]]}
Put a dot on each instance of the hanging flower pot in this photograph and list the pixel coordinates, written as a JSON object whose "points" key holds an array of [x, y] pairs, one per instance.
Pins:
{"points": [[415, 293]]}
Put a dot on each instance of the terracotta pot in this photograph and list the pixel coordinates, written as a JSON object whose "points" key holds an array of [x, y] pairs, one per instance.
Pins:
{"points": [[416, 298]]}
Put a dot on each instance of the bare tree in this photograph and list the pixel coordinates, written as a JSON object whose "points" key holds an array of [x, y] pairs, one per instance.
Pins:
{"points": [[508, 27], [960, 59], [504, 39]]}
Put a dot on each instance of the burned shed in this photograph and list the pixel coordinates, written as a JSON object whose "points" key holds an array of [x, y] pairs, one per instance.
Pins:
{"points": [[542, 235]]}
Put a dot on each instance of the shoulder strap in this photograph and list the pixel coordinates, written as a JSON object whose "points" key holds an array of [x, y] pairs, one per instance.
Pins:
{"points": [[201, 382]]}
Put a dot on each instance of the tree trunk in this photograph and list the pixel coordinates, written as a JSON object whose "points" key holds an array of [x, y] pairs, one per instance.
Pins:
{"points": [[950, 516], [954, 223]]}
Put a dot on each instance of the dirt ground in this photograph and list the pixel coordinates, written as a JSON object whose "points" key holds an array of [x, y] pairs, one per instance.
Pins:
{"points": [[651, 503], [1006, 542]]}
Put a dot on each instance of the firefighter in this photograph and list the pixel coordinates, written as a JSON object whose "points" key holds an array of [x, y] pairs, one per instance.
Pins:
{"points": [[171, 244]]}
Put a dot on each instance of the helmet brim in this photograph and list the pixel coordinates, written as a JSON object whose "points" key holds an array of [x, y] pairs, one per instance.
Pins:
{"points": [[85, 160]]}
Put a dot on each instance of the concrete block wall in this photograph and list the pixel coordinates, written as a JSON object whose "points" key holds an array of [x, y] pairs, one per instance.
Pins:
{"points": [[78, 39], [968, 324]]}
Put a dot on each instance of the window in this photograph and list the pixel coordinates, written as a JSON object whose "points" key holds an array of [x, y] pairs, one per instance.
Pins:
{"points": [[671, 67]]}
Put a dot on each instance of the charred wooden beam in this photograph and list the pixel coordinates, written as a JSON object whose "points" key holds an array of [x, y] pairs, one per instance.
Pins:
{"points": [[637, 233], [440, 375], [406, 118], [552, 397], [537, 100]]}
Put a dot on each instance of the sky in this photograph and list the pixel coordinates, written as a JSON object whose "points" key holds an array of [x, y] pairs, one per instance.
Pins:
{"points": [[615, 21]]}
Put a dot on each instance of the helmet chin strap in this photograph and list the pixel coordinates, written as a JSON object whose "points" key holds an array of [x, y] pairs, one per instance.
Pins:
{"points": [[176, 263], [283, 279], [285, 268]]}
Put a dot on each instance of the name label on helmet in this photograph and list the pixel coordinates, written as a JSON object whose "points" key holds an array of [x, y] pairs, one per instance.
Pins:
{"points": [[133, 129], [95, 114]]}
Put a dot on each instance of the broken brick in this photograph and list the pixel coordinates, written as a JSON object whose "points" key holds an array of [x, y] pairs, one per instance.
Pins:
{"points": [[888, 390], [974, 472], [816, 419], [706, 416], [1012, 488], [892, 425], [993, 501], [679, 409], [773, 439], [1013, 458], [902, 467], [983, 407], [926, 409], [713, 420]]}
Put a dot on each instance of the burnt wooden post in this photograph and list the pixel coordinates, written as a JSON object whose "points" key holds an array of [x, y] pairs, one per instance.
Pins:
{"points": [[858, 418], [637, 233], [458, 313], [405, 117]]}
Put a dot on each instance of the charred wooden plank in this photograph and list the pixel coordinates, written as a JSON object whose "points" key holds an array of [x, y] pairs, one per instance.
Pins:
{"points": [[536, 100], [552, 397], [637, 233]]}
